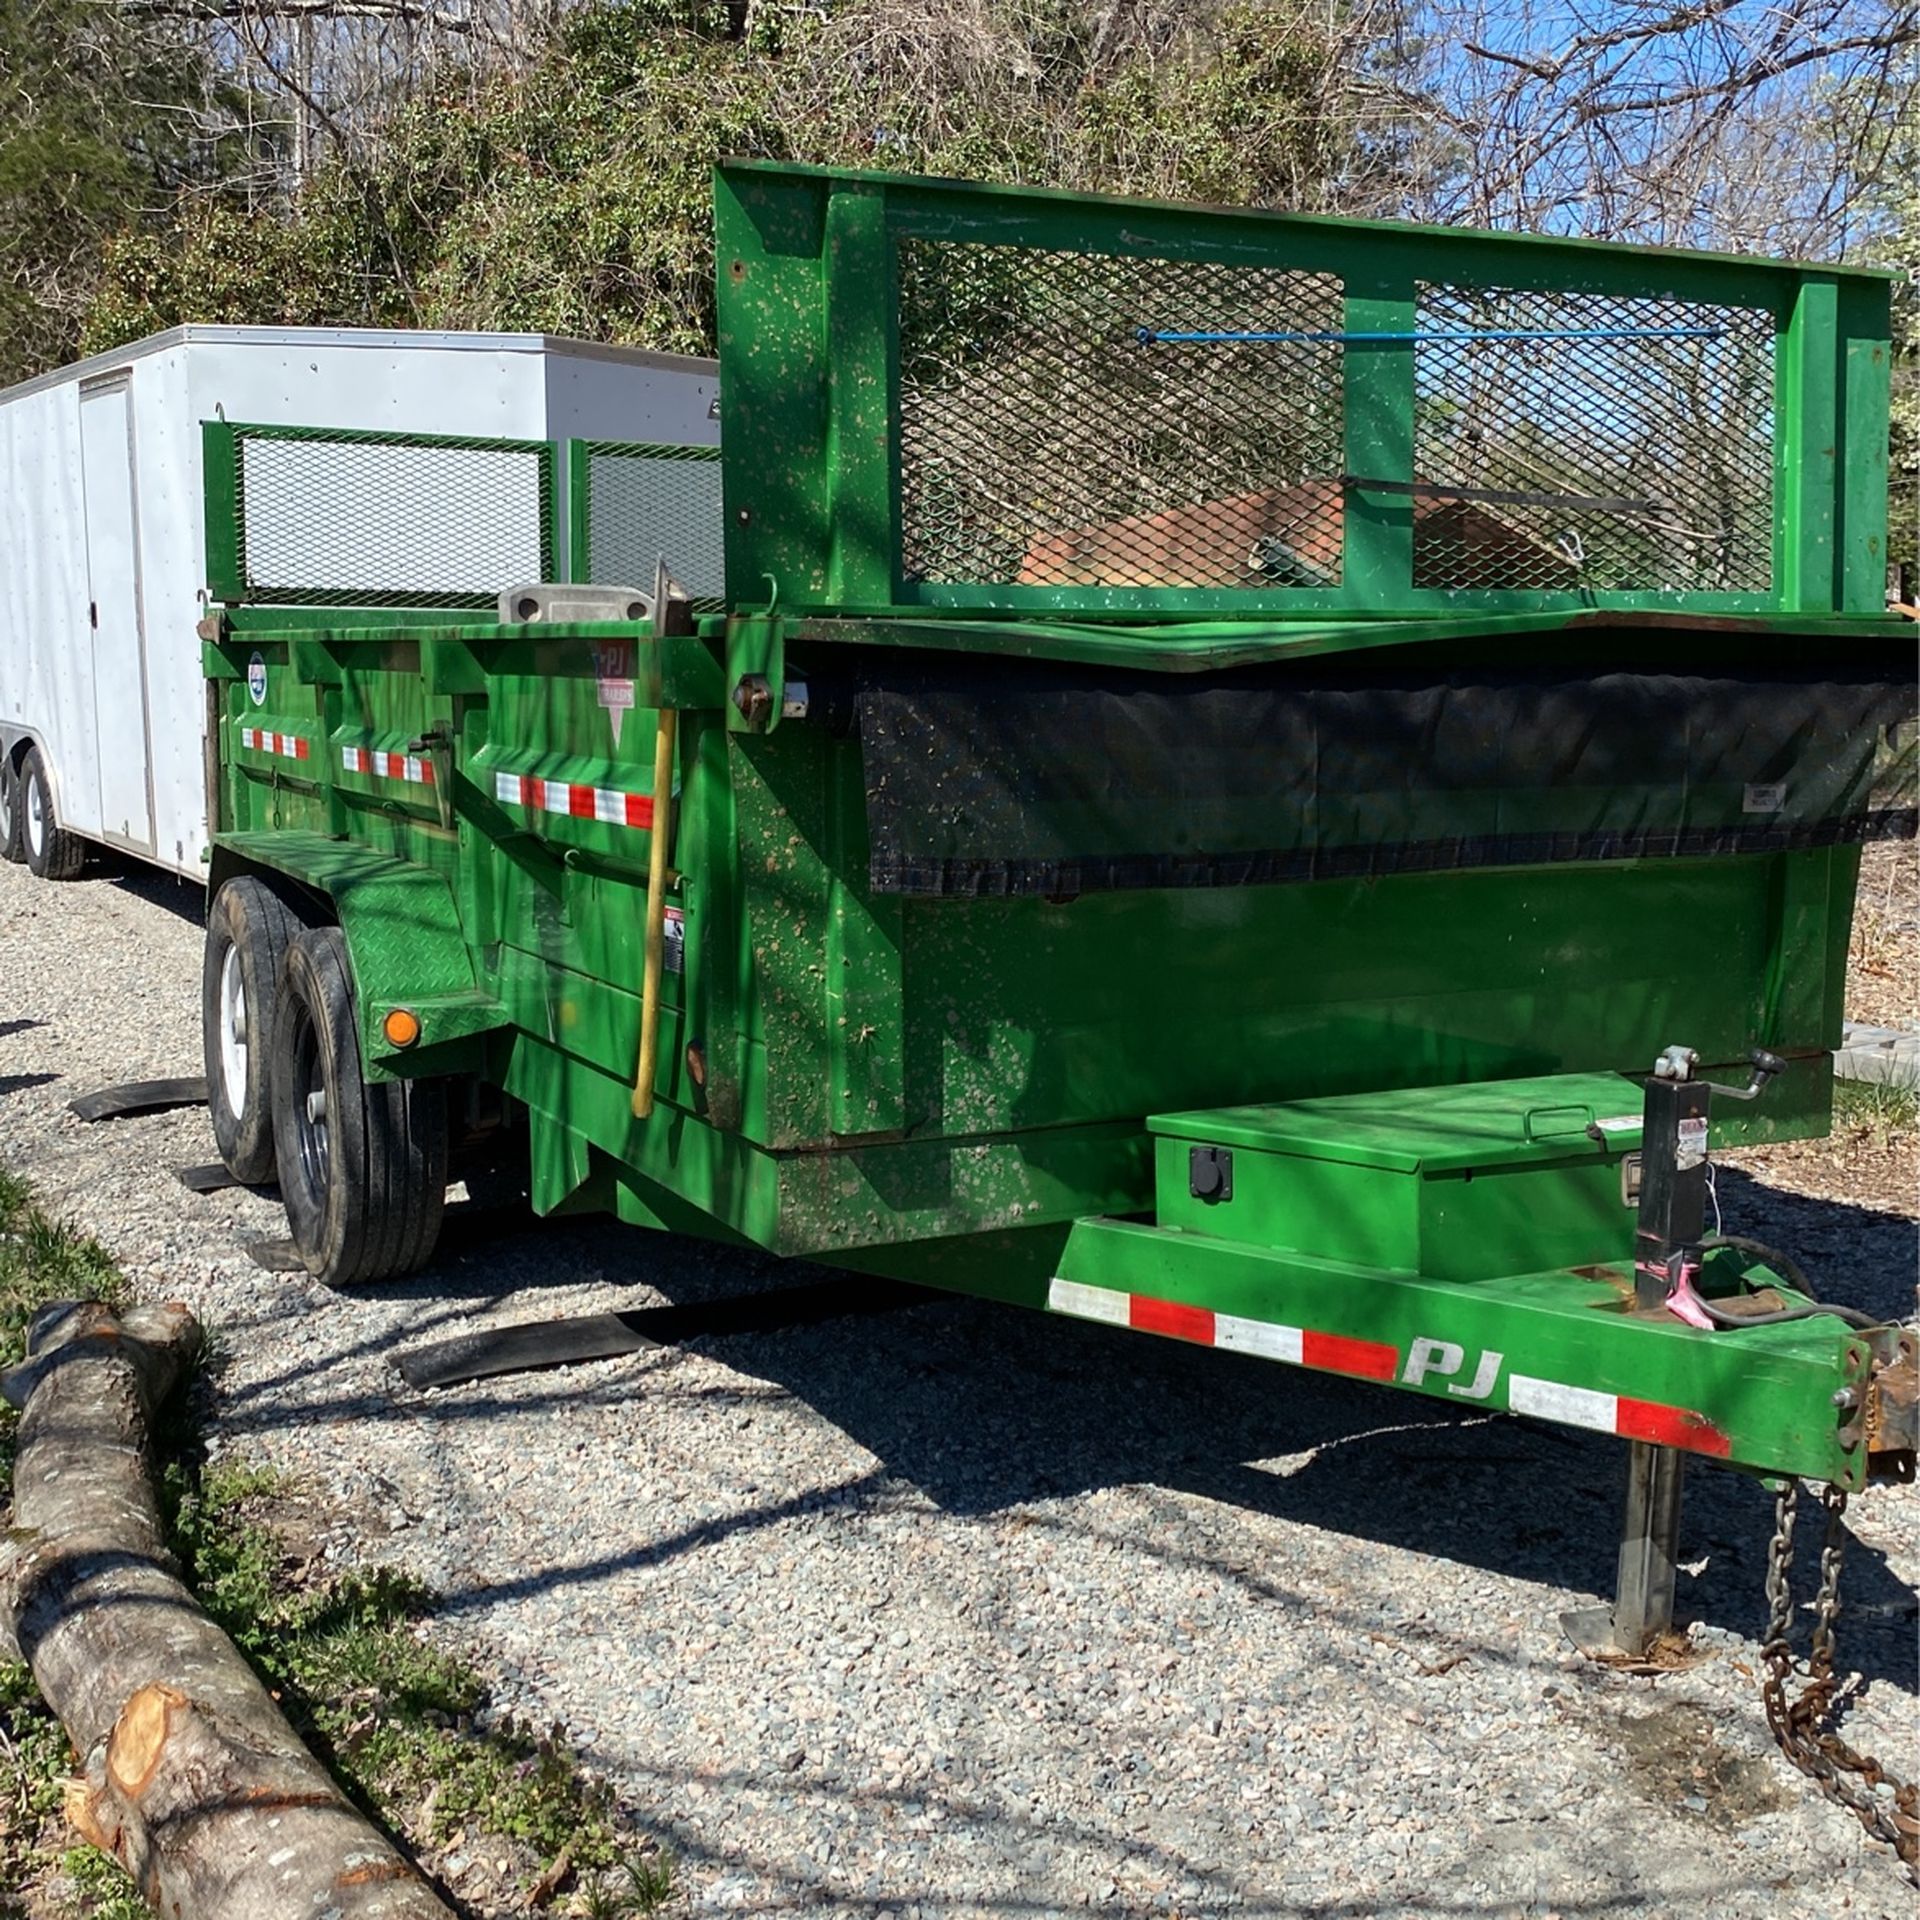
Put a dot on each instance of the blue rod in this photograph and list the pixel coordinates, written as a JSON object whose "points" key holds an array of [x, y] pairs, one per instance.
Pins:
{"points": [[1149, 336]]}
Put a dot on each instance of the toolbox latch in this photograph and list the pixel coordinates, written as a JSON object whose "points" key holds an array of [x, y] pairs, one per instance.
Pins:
{"points": [[1210, 1173]]}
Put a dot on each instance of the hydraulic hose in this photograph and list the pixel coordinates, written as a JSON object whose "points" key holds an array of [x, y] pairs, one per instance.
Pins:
{"points": [[1789, 1269]]}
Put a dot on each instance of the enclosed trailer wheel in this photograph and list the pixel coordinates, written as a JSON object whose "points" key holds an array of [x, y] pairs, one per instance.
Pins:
{"points": [[52, 852], [362, 1164], [11, 849], [250, 925]]}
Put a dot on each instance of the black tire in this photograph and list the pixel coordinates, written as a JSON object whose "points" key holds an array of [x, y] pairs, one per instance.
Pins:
{"points": [[52, 852], [364, 1176], [250, 925], [11, 849]]}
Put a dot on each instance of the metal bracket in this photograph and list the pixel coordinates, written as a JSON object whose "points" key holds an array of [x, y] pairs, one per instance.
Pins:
{"points": [[551, 603]]}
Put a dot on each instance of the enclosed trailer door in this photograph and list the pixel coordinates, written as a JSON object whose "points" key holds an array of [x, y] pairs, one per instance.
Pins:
{"points": [[113, 577]]}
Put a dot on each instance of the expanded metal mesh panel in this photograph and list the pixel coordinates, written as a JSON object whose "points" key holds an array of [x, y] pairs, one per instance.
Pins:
{"points": [[1639, 458], [385, 520], [646, 504], [1043, 444]]}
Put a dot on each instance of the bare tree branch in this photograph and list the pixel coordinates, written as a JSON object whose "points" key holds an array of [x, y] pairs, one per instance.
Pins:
{"points": [[410, 11]]}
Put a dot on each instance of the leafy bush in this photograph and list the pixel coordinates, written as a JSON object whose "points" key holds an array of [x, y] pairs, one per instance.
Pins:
{"points": [[574, 198]]}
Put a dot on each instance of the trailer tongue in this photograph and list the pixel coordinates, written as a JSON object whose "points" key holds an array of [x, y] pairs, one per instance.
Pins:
{"points": [[1230, 746], [1471, 1243]]}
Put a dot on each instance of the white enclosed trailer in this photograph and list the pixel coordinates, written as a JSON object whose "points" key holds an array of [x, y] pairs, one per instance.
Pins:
{"points": [[102, 548]]}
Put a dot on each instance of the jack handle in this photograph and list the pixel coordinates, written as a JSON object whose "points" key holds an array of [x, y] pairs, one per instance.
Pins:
{"points": [[1765, 1066]]}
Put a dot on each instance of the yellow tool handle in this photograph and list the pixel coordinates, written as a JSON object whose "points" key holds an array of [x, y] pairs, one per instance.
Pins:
{"points": [[659, 843]]}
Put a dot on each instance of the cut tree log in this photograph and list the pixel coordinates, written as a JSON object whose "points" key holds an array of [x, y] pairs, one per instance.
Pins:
{"points": [[189, 1775]]}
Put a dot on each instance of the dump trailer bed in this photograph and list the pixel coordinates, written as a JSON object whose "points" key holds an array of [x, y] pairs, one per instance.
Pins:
{"points": [[1231, 747]]}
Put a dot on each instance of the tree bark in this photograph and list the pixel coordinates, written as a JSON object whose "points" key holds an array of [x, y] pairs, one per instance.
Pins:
{"points": [[188, 1774]]}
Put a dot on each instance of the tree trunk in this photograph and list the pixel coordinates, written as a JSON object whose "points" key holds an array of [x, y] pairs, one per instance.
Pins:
{"points": [[188, 1774]]}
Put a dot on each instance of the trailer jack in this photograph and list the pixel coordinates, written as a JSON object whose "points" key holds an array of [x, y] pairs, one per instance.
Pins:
{"points": [[1669, 1245], [1641, 1616]]}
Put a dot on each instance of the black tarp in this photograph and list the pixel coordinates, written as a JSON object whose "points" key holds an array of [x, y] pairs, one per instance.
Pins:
{"points": [[1011, 777]]}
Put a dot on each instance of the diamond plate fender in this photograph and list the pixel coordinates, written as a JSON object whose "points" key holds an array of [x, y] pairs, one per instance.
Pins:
{"points": [[404, 941]]}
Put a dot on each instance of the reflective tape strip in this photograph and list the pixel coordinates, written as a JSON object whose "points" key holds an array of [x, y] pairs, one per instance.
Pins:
{"points": [[387, 766], [1571, 1406], [1263, 1337], [1364, 1359], [574, 801], [1618, 1414], [289, 746], [1297, 1346], [1377, 1360], [1171, 1317], [1670, 1427], [1088, 1303]]}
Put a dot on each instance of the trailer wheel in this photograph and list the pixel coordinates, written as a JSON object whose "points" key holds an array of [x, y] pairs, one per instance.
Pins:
{"points": [[362, 1164], [249, 928], [10, 847], [52, 852]]}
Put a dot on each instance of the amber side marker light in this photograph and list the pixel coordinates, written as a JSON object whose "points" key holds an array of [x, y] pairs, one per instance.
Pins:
{"points": [[401, 1028]]}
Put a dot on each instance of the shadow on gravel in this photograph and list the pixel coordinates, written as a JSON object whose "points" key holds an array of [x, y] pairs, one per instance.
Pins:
{"points": [[798, 1891], [8, 1028], [20, 1082], [186, 899], [981, 1408]]}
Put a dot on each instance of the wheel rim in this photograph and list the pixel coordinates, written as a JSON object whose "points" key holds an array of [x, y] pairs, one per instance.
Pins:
{"points": [[233, 1033], [310, 1111], [36, 817], [6, 809]]}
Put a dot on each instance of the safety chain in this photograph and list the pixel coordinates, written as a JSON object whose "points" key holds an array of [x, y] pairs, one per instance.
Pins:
{"points": [[1802, 1726]]}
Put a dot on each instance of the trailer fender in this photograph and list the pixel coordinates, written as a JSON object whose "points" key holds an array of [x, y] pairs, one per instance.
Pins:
{"points": [[15, 744], [402, 928]]}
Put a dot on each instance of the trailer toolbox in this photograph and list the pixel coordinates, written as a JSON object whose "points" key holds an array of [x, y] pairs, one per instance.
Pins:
{"points": [[1460, 1182]]}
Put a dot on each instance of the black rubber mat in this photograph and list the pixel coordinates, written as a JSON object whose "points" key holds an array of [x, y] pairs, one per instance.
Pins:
{"points": [[277, 1256], [212, 1178], [138, 1096], [531, 1344]]}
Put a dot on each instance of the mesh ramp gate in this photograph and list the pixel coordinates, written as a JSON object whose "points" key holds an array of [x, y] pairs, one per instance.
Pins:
{"points": [[1616, 444], [636, 504], [320, 517], [957, 398], [324, 517], [1041, 444], [1095, 420]]}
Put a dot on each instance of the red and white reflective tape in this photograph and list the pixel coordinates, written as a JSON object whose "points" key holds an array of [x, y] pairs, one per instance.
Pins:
{"points": [[1298, 1346], [388, 766], [575, 802], [1615, 1413], [289, 746]]}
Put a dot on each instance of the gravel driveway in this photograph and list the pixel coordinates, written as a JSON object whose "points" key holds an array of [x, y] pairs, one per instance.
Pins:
{"points": [[955, 1612]]}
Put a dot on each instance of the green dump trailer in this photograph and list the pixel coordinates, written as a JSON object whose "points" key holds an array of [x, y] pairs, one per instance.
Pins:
{"points": [[1247, 778]]}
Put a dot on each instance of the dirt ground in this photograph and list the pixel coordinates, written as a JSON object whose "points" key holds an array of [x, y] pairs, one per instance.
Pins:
{"points": [[1872, 1158], [1883, 964]]}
